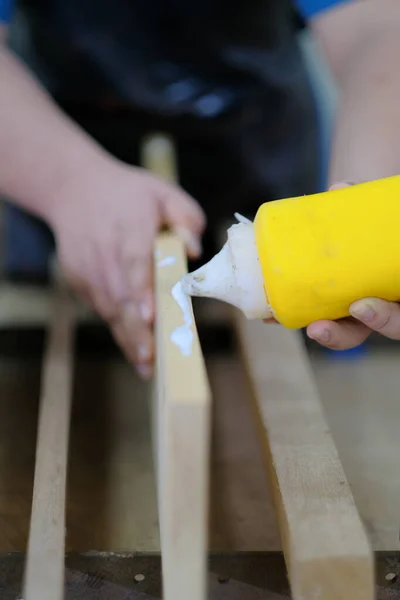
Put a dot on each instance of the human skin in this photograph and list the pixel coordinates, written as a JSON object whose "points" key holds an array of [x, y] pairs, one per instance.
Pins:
{"points": [[104, 213], [361, 41]]}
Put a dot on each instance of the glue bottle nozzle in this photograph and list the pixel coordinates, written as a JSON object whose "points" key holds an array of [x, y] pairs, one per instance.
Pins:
{"points": [[233, 275]]}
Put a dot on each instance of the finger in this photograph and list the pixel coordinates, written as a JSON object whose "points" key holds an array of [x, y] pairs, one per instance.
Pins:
{"points": [[133, 324], [132, 328], [135, 256], [86, 283], [116, 283], [139, 278], [341, 185], [83, 291], [97, 281], [80, 286], [85, 296], [191, 240], [184, 216], [135, 355], [338, 335], [138, 343], [378, 315], [135, 339], [178, 202], [91, 295]]}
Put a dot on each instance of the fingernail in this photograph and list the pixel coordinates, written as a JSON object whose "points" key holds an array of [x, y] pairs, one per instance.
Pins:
{"points": [[323, 337], [143, 352], [342, 184], [363, 312], [145, 312], [145, 371]]}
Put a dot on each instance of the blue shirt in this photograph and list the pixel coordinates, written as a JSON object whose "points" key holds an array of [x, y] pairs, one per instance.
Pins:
{"points": [[310, 8], [5, 10]]}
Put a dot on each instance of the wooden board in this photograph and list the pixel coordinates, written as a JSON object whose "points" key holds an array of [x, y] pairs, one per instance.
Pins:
{"points": [[326, 549], [30, 306], [182, 436], [181, 414], [44, 574]]}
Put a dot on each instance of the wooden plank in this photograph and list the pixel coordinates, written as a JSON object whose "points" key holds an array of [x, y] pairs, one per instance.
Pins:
{"points": [[181, 418], [326, 549], [182, 438], [44, 573], [30, 306]]}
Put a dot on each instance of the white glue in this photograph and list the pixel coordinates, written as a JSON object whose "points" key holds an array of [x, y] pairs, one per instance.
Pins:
{"points": [[167, 261], [183, 336], [241, 219]]}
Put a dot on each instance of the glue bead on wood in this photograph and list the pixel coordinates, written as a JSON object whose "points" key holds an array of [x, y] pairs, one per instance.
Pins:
{"points": [[310, 257]]}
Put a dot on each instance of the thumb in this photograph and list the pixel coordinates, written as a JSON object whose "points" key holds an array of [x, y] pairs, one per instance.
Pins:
{"points": [[341, 185], [185, 217]]}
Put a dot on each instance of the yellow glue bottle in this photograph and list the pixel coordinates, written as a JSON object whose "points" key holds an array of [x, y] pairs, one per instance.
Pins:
{"points": [[309, 258]]}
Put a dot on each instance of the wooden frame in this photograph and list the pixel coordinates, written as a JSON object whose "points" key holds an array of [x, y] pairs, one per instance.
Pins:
{"points": [[327, 552]]}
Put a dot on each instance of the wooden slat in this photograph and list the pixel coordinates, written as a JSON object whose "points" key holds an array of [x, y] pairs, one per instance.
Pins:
{"points": [[44, 574], [326, 549], [182, 432], [30, 306], [181, 418]]}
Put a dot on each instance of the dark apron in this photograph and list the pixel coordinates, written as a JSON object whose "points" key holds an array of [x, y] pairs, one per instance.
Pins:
{"points": [[225, 78]]}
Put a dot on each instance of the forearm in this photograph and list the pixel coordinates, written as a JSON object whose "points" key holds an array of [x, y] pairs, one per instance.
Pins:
{"points": [[40, 148], [366, 142]]}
